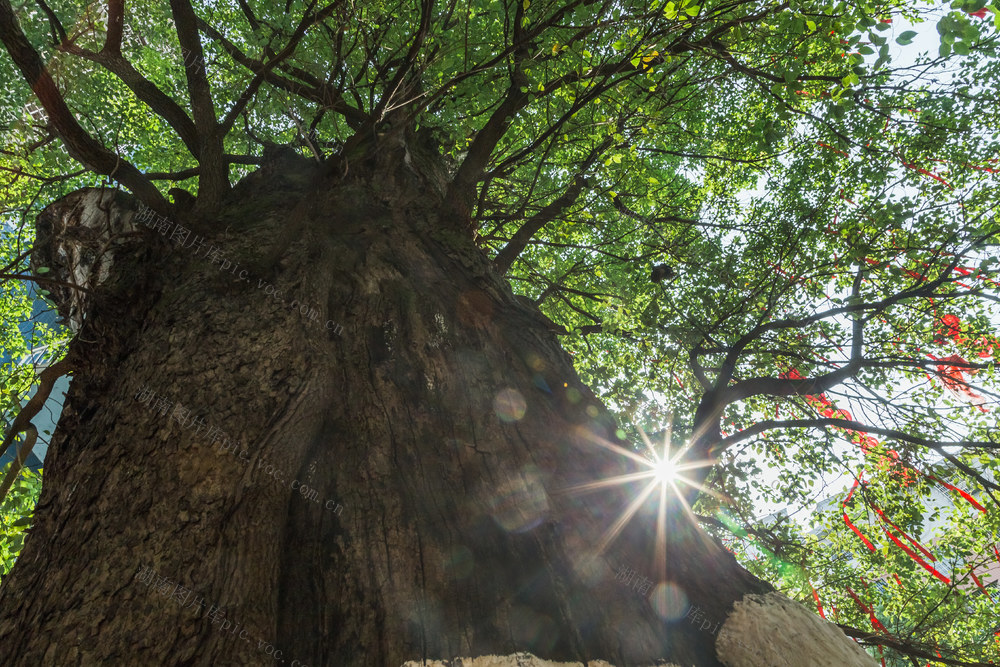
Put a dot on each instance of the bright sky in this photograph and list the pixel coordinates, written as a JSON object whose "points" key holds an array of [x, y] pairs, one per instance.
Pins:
{"points": [[925, 43]]}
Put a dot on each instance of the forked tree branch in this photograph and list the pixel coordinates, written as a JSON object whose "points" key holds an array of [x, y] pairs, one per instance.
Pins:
{"points": [[308, 19], [313, 90], [409, 61], [505, 259], [145, 91]]}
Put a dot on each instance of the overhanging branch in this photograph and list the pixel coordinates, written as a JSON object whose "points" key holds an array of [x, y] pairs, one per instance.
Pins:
{"points": [[904, 647]]}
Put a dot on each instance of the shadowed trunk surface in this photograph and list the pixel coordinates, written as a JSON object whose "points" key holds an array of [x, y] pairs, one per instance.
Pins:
{"points": [[431, 444]]}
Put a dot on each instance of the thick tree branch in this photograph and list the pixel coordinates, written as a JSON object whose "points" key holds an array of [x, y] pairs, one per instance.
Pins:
{"points": [[116, 27], [22, 423], [194, 171], [79, 144], [213, 182], [58, 32], [481, 149], [697, 369], [788, 386], [248, 12], [30, 436]]}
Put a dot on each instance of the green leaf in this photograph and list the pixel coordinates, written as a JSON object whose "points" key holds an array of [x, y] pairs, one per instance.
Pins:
{"points": [[906, 37]]}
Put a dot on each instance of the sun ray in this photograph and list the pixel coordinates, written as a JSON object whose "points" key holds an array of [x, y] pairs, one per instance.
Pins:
{"points": [[610, 481], [610, 535], [661, 535], [597, 440]]}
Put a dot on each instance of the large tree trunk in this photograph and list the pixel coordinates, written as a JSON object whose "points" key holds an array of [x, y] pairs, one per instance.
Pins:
{"points": [[437, 436]]}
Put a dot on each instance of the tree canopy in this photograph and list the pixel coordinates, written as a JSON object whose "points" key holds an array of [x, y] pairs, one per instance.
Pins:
{"points": [[822, 188]]}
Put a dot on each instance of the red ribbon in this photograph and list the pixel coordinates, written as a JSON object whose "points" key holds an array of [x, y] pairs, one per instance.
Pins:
{"points": [[952, 487], [819, 606]]}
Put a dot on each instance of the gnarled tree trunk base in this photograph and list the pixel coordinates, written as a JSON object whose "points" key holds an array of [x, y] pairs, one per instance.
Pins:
{"points": [[186, 516]]}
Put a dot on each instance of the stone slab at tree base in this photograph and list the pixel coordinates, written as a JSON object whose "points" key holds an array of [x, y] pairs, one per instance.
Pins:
{"points": [[514, 660], [773, 631], [756, 634]]}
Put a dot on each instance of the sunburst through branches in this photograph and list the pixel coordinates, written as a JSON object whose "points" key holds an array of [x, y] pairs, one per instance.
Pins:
{"points": [[664, 471]]}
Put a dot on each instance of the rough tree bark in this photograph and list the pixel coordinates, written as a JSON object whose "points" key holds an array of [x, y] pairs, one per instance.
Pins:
{"points": [[456, 533]]}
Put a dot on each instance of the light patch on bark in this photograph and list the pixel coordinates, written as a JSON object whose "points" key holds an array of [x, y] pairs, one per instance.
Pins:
{"points": [[513, 660], [75, 241], [389, 331], [773, 631], [441, 328]]}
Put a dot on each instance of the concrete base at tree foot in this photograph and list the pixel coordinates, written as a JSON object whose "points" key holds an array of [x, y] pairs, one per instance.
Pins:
{"points": [[773, 631]]}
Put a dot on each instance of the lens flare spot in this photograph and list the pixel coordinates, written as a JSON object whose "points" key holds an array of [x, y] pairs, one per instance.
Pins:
{"points": [[589, 568], [520, 503], [510, 405], [669, 601], [541, 383], [532, 629], [536, 362]]}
